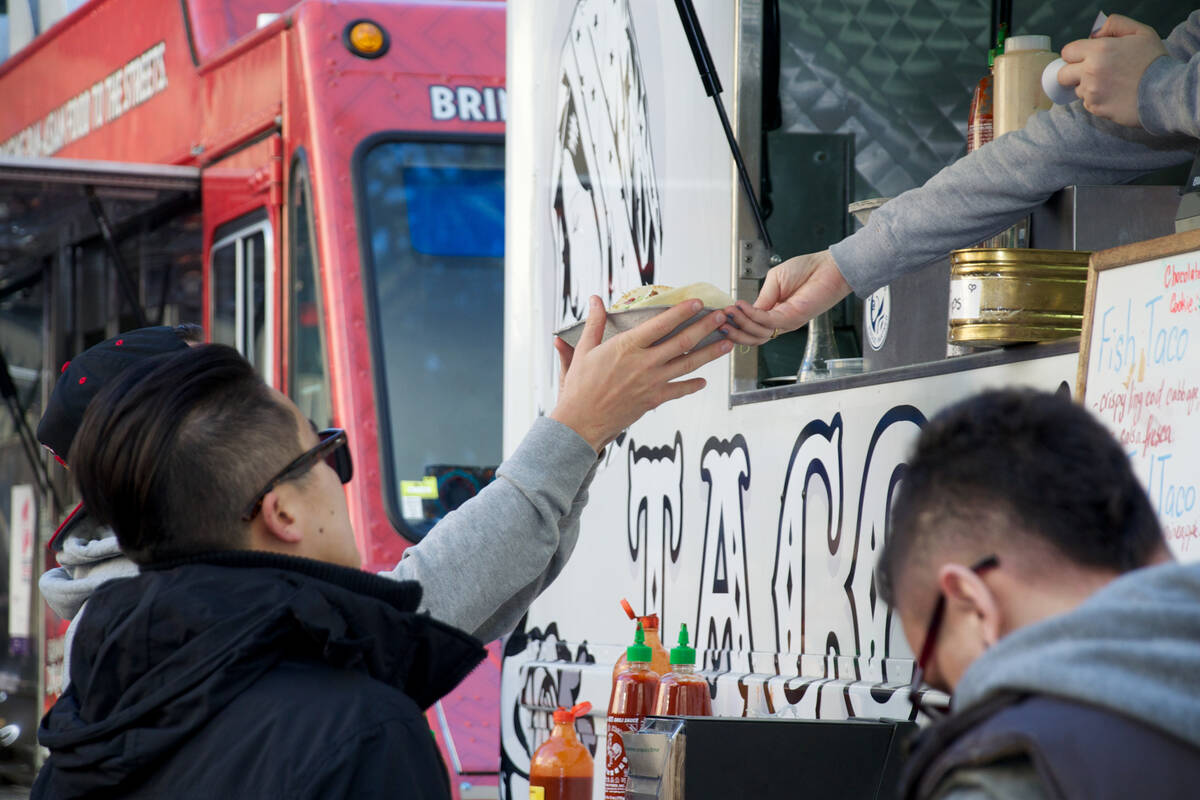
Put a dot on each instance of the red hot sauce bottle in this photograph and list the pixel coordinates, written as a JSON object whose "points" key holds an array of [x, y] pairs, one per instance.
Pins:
{"points": [[632, 701], [682, 692], [562, 766]]}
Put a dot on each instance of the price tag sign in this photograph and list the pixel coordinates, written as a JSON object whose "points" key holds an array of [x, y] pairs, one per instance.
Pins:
{"points": [[964, 299]]}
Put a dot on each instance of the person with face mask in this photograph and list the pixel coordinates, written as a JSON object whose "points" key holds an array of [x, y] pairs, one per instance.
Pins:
{"points": [[1032, 579]]}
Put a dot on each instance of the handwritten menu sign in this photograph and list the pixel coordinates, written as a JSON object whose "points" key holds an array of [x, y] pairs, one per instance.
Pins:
{"points": [[1139, 370]]}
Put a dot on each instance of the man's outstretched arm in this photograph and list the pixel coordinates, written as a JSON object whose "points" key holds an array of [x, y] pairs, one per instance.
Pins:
{"points": [[483, 564]]}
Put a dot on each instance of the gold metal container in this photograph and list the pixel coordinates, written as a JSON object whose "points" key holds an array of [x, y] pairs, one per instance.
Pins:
{"points": [[1017, 295]]}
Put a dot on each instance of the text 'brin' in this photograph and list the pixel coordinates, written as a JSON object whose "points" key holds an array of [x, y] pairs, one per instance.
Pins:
{"points": [[468, 103]]}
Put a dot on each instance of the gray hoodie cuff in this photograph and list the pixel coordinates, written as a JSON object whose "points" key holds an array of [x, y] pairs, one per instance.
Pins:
{"points": [[1169, 97], [552, 457], [867, 258]]}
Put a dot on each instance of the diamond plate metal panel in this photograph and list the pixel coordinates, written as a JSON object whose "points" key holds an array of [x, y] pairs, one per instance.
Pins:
{"points": [[898, 74]]}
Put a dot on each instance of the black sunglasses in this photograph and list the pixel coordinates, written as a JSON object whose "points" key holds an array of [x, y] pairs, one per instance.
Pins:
{"points": [[931, 633], [331, 447]]}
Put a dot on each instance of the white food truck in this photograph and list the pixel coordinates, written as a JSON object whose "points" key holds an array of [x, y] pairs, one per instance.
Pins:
{"points": [[754, 510]]}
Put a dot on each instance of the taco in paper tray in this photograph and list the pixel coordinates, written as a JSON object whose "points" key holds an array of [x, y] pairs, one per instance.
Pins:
{"points": [[656, 294], [643, 302]]}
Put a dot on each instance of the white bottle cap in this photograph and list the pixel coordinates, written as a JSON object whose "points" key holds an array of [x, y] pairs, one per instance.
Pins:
{"points": [[1035, 42], [1059, 95]]}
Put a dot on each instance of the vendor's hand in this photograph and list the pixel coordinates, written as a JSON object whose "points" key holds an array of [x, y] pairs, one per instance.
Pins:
{"points": [[1106, 69], [608, 386], [793, 293]]}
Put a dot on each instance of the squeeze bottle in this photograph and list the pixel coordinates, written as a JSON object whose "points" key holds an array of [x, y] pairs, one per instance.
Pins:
{"points": [[562, 766], [659, 661], [1018, 82], [682, 692], [632, 700], [980, 116]]}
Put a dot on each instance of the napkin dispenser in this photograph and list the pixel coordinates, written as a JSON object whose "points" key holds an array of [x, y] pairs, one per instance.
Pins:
{"points": [[705, 758]]}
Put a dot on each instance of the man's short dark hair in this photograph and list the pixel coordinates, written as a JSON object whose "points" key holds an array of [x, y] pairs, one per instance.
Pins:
{"points": [[1039, 462], [170, 451]]}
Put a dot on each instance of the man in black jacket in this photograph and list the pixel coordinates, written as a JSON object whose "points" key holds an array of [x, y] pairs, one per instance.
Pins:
{"points": [[250, 658]]}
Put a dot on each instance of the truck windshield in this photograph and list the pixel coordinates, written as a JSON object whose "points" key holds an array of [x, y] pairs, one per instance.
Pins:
{"points": [[433, 217]]}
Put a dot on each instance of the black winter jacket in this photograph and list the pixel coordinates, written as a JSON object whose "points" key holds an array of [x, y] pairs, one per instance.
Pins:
{"points": [[251, 675]]}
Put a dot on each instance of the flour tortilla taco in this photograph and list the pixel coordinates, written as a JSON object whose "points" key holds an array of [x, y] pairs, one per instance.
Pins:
{"points": [[640, 304], [654, 295]]}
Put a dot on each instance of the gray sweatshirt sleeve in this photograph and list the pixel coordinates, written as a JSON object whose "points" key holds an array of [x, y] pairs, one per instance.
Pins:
{"points": [[988, 190], [485, 562], [1169, 92]]}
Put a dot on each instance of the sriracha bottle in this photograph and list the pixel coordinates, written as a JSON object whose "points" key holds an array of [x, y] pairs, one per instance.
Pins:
{"points": [[682, 692], [659, 661], [562, 766], [632, 700]]}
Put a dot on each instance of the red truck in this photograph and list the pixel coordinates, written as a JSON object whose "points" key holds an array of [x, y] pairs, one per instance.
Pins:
{"points": [[321, 185]]}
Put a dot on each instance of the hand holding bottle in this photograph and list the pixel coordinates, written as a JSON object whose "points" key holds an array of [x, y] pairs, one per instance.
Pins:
{"points": [[1107, 69]]}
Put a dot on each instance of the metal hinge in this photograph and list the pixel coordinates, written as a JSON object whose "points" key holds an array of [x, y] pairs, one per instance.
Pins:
{"points": [[754, 259]]}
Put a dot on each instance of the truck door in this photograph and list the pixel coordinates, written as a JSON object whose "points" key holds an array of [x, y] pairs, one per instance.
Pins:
{"points": [[242, 200], [87, 249], [241, 288]]}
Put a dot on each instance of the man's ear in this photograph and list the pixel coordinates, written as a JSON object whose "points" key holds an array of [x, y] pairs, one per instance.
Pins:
{"points": [[967, 593], [279, 517]]}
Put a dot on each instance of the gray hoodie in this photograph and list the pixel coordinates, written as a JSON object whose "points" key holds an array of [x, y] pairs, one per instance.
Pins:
{"points": [[988, 190], [480, 567], [1132, 648], [90, 558]]}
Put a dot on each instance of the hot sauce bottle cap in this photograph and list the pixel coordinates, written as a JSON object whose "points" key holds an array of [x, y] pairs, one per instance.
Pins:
{"points": [[649, 621], [638, 651], [564, 715], [628, 608], [683, 654]]}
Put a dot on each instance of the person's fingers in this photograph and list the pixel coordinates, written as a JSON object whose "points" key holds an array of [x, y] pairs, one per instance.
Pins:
{"points": [[565, 353], [741, 322], [593, 329], [1074, 52], [688, 338], [658, 326], [768, 296], [678, 389], [756, 320], [792, 314], [1118, 25], [741, 337], [1070, 75], [696, 358]]}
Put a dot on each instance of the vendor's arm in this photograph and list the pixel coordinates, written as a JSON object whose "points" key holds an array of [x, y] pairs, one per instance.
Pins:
{"points": [[483, 564], [985, 192]]}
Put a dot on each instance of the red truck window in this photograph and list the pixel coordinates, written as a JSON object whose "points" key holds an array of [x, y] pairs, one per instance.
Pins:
{"points": [[308, 378], [242, 288]]}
